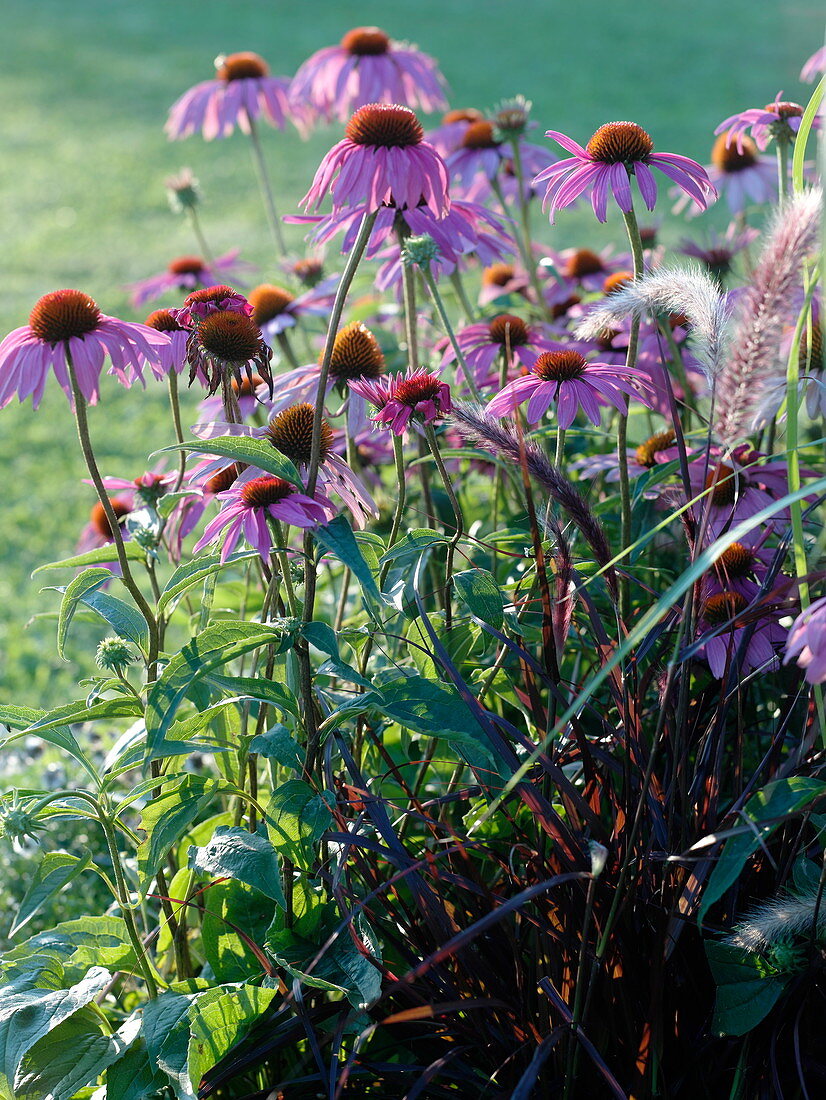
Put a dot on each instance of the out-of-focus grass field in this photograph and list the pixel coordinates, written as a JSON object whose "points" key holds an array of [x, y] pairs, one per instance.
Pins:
{"points": [[85, 88]]}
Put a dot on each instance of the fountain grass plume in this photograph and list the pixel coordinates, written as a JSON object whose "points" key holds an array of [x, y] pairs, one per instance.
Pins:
{"points": [[779, 920], [497, 438], [755, 364], [689, 291]]}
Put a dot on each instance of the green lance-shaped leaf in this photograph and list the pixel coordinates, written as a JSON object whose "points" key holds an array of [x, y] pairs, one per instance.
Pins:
{"points": [[20, 719], [337, 537], [87, 581], [166, 1031], [479, 592], [242, 448], [246, 857], [220, 1019], [190, 573], [166, 818], [297, 817], [95, 557], [55, 871], [212, 648]]}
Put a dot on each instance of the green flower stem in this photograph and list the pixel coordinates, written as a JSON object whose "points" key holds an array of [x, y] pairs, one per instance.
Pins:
{"points": [[635, 242], [440, 308], [310, 572], [266, 188], [461, 295], [179, 431], [82, 423], [430, 436], [409, 296], [525, 221], [287, 351], [206, 251], [783, 146], [559, 455], [677, 360], [523, 243]]}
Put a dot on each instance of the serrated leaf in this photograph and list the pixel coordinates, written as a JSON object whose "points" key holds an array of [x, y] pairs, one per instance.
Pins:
{"points": [[166, 1031], [478, 591], [220, 1019], [297, 817], [123, 707], [243, 448], [79, 944], [765, 811], [412, 543], [193, 572], [209, 651], [255, 687], [337, 537], [133, 1077], [232, 908], [746, 990], [55, 870], [124, 619], [95, 557], [87, 581], [166, 818], [246, 857]]}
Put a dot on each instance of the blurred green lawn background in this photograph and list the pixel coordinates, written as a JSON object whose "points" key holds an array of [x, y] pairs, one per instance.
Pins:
{"points": [[85, 88]]}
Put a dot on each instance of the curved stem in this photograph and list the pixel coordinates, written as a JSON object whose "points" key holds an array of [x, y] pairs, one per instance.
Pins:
{"points": [[266, 187], [430, 436], [461, 294], [82, 423], [783, 145], [206, 251], [440, 307]]}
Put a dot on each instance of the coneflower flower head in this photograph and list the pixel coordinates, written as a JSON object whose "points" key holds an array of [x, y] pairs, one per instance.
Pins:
{"points": [[225, 344], [807, 641], [367, 66], [67, 323], [211, 299], [383, 159], [415, 395], [183, 191], [780, 120], [615, 152], [753, 363]]}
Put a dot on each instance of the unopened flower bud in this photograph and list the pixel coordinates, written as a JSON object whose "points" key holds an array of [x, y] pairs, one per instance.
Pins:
{"points": [[511, 118], [599, 857], [419, 251], [113, 655], [183, 191]]}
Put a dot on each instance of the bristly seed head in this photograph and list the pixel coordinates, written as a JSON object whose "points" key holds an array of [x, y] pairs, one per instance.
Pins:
{"points": [[508, 329], [365, 42], [186, 265], [384, 124], [223, 480], [735, 561], [268, 301], [263, 491], [583, 262], [620, 143], [64, 314], [162, 321], [241, 66], [480, 135], [724, 480], [291, 433], [100, 521], [559, 366], [728, 158], [231, 337], [723, 607], [617, 280], [356, 354], [647, 452]]}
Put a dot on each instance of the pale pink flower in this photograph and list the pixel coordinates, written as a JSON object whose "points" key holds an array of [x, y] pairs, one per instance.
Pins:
{"points": [[780, 118], [814, 66], [807, 641]]}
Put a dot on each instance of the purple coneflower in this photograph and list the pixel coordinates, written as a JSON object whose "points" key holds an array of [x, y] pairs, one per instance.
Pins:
{"points": [[382, 159], [188, 273], [814, 66], [98, 532], [742, 567], [225, 343], [210, 299], [170, 357], [242, 91], [367, 67], [659, 449], [721, 613], [415, 395], [780, 119], [615, 152], [807, 641], [500, 280], [742, 175], [482, 343], [567, 379], [275, 309], [483, 151], [717, 255], [247, 508], [69, 323], [446, 138]]}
